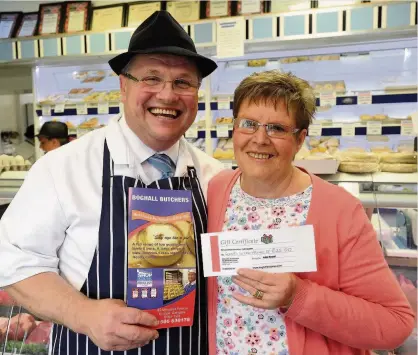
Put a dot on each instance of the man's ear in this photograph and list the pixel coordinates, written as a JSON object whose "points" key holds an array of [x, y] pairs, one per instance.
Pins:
{"points": [[123, 82]]}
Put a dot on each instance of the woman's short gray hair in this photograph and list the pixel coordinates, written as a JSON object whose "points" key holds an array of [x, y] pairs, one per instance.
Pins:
{"points": [[273, 87]]}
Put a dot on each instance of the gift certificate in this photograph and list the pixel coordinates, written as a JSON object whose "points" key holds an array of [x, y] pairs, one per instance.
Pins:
{"points": [[290, 249]]}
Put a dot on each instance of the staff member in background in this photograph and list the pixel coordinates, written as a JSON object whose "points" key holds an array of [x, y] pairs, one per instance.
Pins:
{"points": [[53, 135], [26, 149], [66, 258]]}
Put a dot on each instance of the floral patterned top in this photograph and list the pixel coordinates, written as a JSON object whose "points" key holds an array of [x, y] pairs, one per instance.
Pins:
{"points": [[243, 329]]}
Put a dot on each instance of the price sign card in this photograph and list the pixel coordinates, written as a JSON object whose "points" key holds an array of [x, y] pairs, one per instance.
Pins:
{"points": [[374, 128]]}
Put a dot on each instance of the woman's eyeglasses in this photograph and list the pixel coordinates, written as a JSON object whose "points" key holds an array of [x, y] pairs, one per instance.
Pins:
{"points": [[154, 83], [273, 130]]}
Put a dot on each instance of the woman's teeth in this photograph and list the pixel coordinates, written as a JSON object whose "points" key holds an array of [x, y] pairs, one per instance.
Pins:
{"points": [[164, 112], [259, 155]]}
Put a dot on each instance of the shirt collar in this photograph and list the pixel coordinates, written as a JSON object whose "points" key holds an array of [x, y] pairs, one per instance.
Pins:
{"points": [[122, 140]]}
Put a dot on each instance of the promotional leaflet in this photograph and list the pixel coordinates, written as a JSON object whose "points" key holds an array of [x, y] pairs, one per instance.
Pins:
{"points": [[161, 255], [290, 249]]}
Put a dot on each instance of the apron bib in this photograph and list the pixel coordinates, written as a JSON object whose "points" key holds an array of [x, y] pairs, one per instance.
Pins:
{"points": [[107, 277]]}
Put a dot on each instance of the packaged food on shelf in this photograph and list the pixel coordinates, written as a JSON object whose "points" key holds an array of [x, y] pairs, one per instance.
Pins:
{"points": [[224, 150], [257, 62], [78, 92], [358, 167], [337, 86], [70, 125], [398, 168], [91, 123], [113, 95], [404, 158], [224, 120], [314, 142], [347, 156], [96, 96], [377, 117], [53, 99], [381, 149]]}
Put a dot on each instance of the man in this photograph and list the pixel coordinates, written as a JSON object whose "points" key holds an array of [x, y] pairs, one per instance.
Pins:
{"points": [[53, 135], [66, 258], [192, 281]]}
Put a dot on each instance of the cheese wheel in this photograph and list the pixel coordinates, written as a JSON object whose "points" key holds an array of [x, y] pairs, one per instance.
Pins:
{"points": [[319, 156], [357, 167], [405, 158], [398, 168], [358, 157]]}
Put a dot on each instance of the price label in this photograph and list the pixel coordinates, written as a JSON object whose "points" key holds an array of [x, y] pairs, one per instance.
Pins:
{"points": [[348, 130], [364, 98], [328, 99], [120, 107], [227, 164], [59, 108], [407, 128], [224, 103], [46, 110], [192, 132], [222, 131], [374, 128], [315, 130], [103, 108], [81, 108]]}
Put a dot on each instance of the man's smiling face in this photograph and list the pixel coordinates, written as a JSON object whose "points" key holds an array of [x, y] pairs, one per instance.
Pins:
{"points": [[159, 119]]}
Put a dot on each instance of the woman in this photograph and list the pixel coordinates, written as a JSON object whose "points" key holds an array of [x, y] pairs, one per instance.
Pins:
{"points": [[352, 303]]}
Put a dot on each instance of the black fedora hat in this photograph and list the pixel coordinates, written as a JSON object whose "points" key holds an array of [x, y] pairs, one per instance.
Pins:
{"points": [[161, 33]]}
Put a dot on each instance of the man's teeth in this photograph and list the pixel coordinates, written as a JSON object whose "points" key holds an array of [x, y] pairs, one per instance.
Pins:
{"points": [[163, 111], [259, 155]]}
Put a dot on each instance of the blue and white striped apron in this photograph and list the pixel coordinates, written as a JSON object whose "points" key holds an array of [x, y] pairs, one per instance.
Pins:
{"points": [[107, 277]]}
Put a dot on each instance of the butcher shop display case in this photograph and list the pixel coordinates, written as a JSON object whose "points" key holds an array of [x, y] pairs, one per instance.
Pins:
{"points": [[20, 331]]}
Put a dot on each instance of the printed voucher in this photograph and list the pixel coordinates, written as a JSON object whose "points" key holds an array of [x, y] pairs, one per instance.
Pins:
{"points": [[161, 255], [290, 249]]}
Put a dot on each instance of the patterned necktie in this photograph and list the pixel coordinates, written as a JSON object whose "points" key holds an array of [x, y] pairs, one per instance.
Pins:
{"points": [[163, 163]]}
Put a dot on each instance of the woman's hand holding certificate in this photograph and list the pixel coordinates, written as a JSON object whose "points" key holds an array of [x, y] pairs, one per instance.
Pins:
{"points": [[267, 290]]}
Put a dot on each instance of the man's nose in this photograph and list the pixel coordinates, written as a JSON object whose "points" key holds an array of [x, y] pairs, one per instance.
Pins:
{"points": [[167, 93]]}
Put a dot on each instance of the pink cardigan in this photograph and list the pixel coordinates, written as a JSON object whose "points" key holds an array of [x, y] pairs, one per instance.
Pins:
{"points": [[353, 301]]}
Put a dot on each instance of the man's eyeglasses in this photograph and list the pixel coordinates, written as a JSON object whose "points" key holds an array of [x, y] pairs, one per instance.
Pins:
{"points": [[273, 130], [154, 83]]}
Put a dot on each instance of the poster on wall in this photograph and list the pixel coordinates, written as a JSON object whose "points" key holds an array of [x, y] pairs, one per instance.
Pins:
{"points": [[27, 26], [77, 16], [8, 23], [108, 17], [50, 18]]}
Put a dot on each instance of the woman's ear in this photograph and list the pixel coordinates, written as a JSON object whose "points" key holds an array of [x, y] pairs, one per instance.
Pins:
{"points": [[300, 138]]}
